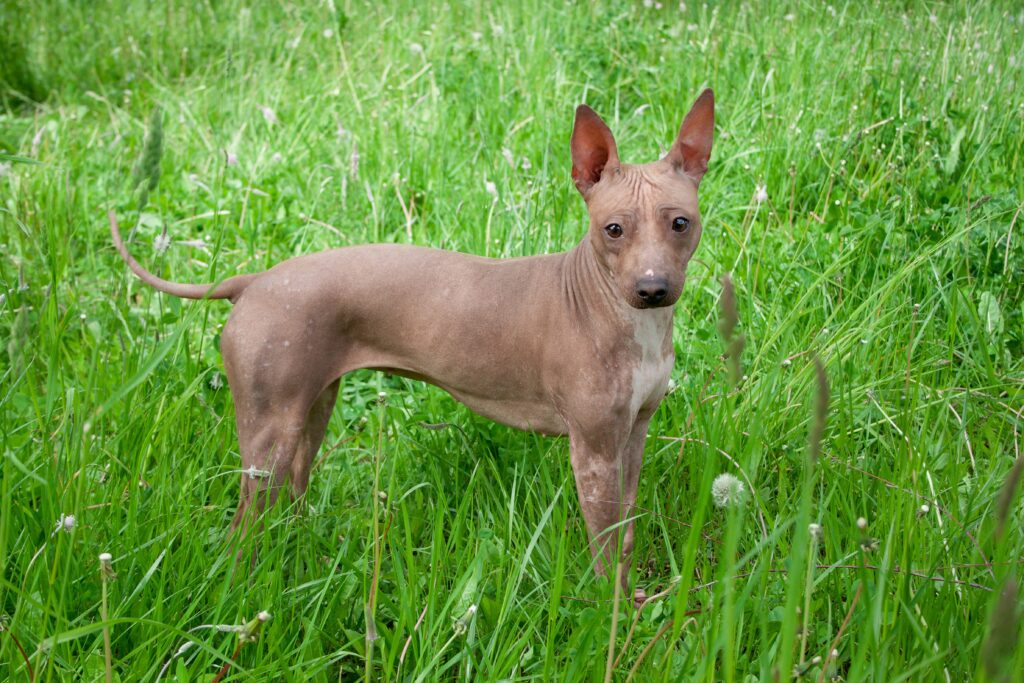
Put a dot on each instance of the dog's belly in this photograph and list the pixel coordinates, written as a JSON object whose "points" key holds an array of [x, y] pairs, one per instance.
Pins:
{"points": [[525, 415]]}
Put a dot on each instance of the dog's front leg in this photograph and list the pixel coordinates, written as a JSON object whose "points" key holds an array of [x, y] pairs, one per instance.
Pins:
{"points": [[602, 478], [633, 457]]}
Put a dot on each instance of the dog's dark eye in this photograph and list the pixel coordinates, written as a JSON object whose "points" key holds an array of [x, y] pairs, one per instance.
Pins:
{"points": [[614, 230], [680, 224]]}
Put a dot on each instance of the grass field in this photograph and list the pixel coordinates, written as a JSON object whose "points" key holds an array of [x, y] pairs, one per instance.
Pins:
{"points": [[865, 193]]}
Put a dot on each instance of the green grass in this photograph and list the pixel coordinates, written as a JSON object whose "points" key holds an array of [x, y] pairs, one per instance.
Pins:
{"points": [[889, 139]]}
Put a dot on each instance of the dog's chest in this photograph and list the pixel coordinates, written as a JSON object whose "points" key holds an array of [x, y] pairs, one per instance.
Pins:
{"points": [[654, 358]]}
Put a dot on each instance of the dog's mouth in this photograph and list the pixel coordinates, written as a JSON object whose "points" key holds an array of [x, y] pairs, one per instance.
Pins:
{"points": [[641, 304]]}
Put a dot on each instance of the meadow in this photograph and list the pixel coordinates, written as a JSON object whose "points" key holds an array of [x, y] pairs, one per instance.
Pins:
{"points": [[864, 194]]}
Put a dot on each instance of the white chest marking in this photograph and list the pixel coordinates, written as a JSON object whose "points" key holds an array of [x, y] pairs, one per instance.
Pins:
{"points": [[651, 375]]}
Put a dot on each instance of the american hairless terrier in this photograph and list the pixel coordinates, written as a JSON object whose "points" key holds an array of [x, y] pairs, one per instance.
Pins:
{"points": [[577, 343]]}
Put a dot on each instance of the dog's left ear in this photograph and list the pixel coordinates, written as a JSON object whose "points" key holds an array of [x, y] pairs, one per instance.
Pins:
{"points": [[692, 148]]}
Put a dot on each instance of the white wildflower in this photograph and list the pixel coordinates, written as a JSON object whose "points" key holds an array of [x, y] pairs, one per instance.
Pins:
{"points": [[816, 531], [727, 490], [789, 17], [328, 33], [162, 242], [66, 523], [862, 523], [268, 114], [761, 194], [276, 159], [215, 381], [492, 189], [510, 158], [415, 48], [230, 157]]}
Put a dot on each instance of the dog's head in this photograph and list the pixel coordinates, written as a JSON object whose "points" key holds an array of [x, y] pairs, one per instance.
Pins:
{"points": [[644, 220]]}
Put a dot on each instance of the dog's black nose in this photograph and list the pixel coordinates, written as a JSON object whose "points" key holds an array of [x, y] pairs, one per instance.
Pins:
{"points": [[652, 290]]}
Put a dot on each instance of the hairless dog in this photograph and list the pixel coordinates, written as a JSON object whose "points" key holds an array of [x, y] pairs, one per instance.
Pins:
{"points": [[577, 343]]}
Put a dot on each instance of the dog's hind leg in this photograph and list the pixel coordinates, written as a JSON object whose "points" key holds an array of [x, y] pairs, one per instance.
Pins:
{"points": [[312, 437], [270, 445]]}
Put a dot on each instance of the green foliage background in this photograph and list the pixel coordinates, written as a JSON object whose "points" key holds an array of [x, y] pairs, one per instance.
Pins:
{"points": [[888, 139]]}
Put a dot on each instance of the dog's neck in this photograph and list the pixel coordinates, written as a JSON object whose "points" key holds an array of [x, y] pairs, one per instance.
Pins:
{"points": [[590, 294]]}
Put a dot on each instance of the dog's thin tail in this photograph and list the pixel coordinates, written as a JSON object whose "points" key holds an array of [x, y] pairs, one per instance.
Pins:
{"points": [[231, 288]]}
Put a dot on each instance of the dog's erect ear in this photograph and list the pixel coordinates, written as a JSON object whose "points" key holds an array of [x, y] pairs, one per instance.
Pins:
{"points": [[692, 148], [593, 149]]}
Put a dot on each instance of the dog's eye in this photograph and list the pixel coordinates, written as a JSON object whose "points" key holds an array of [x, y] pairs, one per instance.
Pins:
{"points": [[680, 224], [613, 230]]}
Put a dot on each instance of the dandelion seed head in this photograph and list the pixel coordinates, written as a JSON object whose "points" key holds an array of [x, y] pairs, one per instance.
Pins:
{"points": [[727, 490]]}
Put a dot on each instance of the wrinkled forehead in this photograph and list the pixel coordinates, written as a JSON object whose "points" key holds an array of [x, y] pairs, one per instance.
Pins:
{"points": [[643, 190]]}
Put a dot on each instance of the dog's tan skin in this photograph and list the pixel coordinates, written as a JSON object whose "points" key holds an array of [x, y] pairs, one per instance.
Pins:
{"points": [[577, 343]]}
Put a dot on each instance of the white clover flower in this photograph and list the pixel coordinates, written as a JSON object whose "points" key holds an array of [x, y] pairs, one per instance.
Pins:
{"points": [[862, 523], [161, 242], [230, 157], [328, 33], [415, 48], [760, 194], [816, 531], [268, 114], [727, 491], [276, 158]]}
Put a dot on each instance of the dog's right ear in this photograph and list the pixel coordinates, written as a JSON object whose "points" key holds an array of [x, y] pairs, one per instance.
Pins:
{"points": [[593, 149]]}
